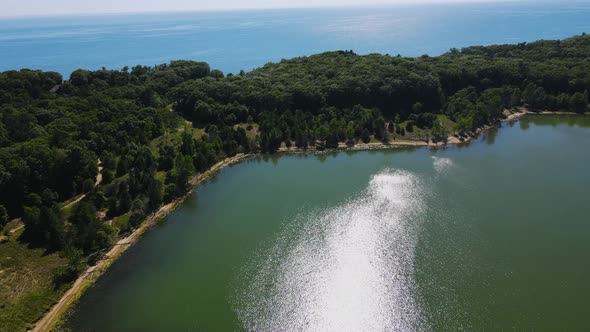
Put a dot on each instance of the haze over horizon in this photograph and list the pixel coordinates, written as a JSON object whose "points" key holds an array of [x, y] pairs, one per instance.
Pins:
{"points": [[70, 7]]}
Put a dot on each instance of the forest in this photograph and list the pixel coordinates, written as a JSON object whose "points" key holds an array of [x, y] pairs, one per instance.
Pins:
{"points": [[148, 130]]}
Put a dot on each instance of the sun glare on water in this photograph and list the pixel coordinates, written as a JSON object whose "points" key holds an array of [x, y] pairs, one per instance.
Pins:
{"points": [[347, 268]]}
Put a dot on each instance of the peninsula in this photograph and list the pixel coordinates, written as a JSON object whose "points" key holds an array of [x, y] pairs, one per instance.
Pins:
{"points": [[88, 163]]}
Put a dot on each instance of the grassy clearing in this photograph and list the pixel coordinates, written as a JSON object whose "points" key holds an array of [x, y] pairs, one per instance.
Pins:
{"points": [[447, 123], [168, 138], [119, 179], [196, 133], [122, 223], [175, 137], [251, 130], [26, 283], [419, 134]]}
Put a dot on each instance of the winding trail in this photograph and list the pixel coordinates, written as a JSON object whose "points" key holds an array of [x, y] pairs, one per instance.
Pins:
{"points": [[96, 183], [21, 225], [88, 277]]}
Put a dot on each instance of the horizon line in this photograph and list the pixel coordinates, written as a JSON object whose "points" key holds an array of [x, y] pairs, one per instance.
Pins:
{"points": [[245, 9]]}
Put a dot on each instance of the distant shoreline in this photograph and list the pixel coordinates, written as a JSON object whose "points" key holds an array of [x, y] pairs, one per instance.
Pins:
{"points": [[91, 275], [451, 139]]}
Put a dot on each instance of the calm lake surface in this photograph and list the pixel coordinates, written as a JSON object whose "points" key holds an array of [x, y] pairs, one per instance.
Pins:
{"points": [[489, 236], [232, 41]]}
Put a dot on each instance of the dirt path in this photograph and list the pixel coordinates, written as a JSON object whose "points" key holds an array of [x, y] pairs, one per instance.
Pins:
{"points": [[99, 175], [18, 228], [81, 197], [92, 273]]}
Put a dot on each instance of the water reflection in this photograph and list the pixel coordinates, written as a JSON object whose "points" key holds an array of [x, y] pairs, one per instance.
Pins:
{"points": [[490, 136], [524, 124]]}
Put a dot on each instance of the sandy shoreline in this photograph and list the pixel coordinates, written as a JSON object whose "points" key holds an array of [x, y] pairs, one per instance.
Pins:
{"points": [[88, 277], [451, 139]]}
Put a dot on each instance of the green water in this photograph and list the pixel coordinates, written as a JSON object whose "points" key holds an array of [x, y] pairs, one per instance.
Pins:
{"points": [[490, 236]]}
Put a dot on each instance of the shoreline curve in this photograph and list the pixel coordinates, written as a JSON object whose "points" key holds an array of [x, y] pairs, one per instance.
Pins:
{"points": [[91, 275]]}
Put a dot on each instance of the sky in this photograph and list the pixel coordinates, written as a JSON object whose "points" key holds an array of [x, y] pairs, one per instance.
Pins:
{"points": [[66, 7]]}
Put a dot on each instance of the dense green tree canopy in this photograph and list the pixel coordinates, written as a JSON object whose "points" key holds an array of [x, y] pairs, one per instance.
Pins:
{"points": [[152, 128]]}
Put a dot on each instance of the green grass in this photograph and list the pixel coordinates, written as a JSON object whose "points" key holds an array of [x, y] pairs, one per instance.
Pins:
{"points": [[26, 284], [197, 133], [447, 123], [252, 133], [122, 223], [160, 176], [120, 179], [168, 138], [419, 134], [68, 211], [175, 137]]}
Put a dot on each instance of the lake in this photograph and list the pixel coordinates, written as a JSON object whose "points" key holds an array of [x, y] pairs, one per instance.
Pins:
{"points": [[232, 41], [492, 235]]}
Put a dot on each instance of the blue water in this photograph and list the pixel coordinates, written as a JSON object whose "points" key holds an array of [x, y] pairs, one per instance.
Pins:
{"points": [[231, 41]]}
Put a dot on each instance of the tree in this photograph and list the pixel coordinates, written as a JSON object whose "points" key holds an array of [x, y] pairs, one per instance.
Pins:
{"points": [[88, 185], [34, 228], [366, 136], [44, 226], [417, 108], [188, 146], [122, 166], [124, 197], [72, 270], [107, 176], [579, 102], [108, 160], [137, 212], [350, 132], [217, 73], [534, 96], [3, 216], [104, 237], [155, 194], [463, 125], [84, 221], [113, 206], [184, 169], [439, 131], [322, 133], [170, 192], [49, 197], [98, 199], [167, 155]]}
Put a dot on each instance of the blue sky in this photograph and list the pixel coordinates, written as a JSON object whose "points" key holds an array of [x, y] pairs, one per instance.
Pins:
{"points": [[64, 7]]}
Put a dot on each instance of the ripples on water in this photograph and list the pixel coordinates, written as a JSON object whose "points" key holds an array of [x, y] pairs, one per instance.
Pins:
{"points": [[347, 268], [442, 165]]}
